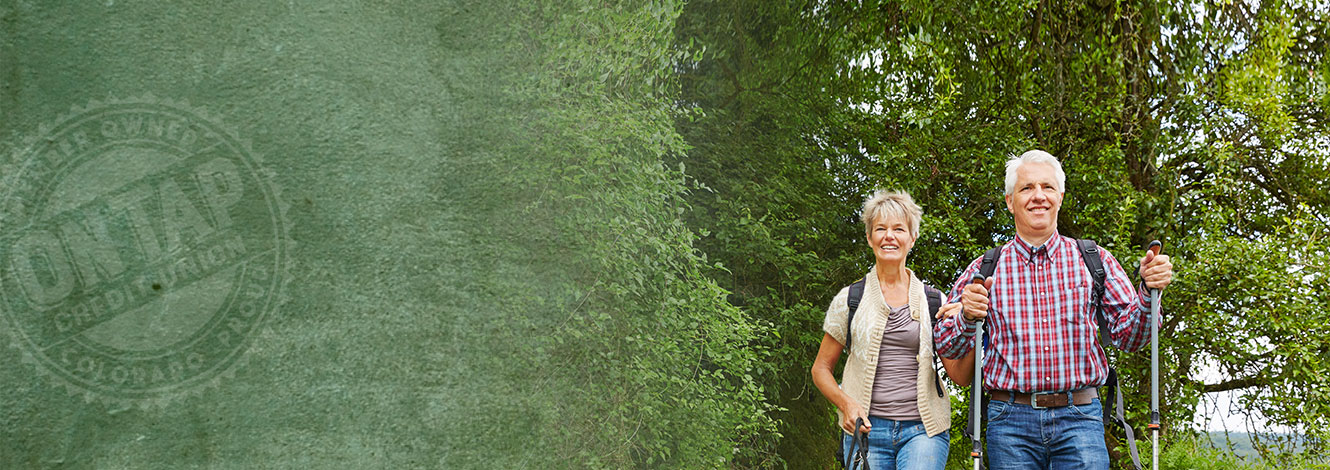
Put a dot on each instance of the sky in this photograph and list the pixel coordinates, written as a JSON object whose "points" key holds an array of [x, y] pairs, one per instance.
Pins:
{"points": [[1215, 412]]}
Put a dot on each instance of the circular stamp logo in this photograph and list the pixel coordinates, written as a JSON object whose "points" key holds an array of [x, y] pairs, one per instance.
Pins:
{"points": [[143, 248]]}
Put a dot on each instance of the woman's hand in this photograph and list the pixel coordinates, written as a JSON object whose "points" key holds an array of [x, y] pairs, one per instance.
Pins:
{"points": [[827, 355], [948, 310], [960, 371], [851, 413]]}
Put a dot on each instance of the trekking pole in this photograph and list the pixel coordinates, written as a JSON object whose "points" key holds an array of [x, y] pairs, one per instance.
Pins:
{"points": [[1155, 247], [977, 386]]}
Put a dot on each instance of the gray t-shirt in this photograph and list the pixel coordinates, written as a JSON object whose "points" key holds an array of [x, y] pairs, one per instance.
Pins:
{"points": [[895, 391]]}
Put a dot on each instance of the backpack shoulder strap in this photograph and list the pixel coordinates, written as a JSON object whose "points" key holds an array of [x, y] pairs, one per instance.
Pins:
{"points": [[987, 267], [934, 297], [935, 300], [856, 294], [989, 264], [1094, 262]]}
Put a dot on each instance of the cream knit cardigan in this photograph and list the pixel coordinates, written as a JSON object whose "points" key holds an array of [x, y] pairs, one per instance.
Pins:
{"points": [[869, 323]]}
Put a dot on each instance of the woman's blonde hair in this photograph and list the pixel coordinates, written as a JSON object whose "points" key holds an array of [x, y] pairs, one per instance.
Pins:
{"points": [[888, 205]]}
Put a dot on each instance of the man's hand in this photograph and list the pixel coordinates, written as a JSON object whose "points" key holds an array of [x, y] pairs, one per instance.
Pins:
{"points": [[1156, 270], [974, 299]]}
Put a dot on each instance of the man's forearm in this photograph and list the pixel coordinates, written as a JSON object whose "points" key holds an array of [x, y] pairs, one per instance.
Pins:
{"points": [[954, 337]]}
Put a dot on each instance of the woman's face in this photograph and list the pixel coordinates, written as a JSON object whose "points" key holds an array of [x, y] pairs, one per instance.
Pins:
{"points": [[891, 240]]}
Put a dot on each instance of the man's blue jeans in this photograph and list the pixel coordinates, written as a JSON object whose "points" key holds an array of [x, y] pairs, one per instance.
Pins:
{"points": [[902, 445], [1023, 438]]}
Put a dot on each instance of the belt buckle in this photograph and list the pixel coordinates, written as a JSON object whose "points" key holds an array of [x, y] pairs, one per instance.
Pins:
{"points": [[1034, 399]]}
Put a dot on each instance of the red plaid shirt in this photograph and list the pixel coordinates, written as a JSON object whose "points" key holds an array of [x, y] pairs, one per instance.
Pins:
{"points": [[1042, 331]]}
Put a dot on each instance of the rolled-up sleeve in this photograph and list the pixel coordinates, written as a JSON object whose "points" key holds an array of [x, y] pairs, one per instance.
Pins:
{"points": [[837, 314], [953, 335], [1127, 308]]}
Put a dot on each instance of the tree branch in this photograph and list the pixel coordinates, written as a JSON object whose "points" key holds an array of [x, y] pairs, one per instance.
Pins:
{"points": [[1234, 384]]}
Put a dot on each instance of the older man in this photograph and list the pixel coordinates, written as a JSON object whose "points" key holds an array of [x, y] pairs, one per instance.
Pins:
{"points": [[1043, 361]]}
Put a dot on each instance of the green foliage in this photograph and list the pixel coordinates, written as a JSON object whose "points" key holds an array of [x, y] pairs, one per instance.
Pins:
{"points": [[616, 350]]}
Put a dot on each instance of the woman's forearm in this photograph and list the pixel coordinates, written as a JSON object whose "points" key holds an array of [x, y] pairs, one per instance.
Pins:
{"points": [[823, 378]]}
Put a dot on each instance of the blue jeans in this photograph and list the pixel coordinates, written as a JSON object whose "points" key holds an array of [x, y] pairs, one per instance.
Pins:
{"points": [[902, 445], [1022, 438]]}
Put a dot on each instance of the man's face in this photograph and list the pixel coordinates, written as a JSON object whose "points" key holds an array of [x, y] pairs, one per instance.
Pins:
{"points": [[1035, 200]]}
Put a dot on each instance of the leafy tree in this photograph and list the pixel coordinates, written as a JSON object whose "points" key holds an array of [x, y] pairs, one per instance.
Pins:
{"points": [[781, 226]]}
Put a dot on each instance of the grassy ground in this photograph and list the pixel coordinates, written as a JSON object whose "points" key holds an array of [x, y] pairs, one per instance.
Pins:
{"points": [[1193, 454]]}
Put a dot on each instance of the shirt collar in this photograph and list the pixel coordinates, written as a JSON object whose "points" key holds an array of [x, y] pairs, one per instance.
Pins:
{"points": [[1046, 251]]}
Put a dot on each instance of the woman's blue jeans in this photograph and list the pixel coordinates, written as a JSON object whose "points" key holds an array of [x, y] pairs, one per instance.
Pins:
{"points": [[902, 445], [1020, 437]]}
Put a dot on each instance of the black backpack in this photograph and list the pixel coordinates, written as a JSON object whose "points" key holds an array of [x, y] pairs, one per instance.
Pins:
{"points": [[1094, 262]]}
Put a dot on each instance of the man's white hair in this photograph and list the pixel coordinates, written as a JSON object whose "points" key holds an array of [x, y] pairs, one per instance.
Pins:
{"points": [[1034, 156]]}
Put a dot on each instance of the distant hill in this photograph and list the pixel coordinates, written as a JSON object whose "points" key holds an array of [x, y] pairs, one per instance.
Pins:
{"points": [[1241, 444]]}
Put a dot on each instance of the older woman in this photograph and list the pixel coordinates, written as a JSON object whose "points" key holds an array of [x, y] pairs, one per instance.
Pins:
{"points": [[889, 378]]}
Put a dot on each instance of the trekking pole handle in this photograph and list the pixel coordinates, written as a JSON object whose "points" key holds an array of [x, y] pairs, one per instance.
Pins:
{"points": [[977, 278]]}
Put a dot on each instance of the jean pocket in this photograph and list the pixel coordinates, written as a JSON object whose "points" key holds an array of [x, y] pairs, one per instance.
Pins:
{"points": [[997, 410], [1093, 410]]}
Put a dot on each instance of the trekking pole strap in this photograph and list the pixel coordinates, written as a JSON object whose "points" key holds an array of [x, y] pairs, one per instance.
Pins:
{"points": [[857, 458], [1121, 420]]}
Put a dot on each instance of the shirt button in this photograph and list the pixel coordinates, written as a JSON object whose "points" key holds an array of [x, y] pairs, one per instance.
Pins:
{"points": [[1045, 348], [1048, 379]]}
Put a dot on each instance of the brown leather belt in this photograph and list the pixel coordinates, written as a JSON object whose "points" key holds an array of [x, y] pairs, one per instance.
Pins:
{"points": [[1047, 399]]}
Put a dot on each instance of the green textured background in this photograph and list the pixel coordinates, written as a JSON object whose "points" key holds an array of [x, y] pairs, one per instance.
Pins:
{"points": [[353, 106]]}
